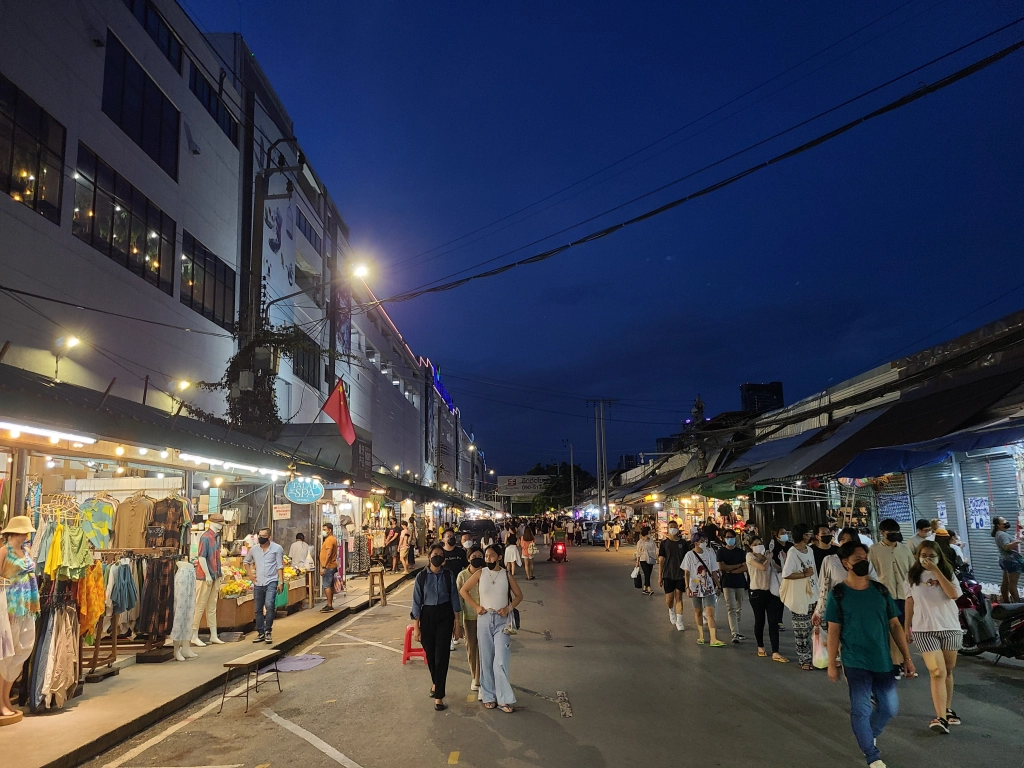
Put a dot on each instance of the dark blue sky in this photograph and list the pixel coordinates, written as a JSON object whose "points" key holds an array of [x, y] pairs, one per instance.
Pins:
{"points": [[430, 120]]}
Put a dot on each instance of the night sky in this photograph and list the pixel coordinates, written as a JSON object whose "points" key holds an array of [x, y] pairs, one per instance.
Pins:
{"points": [[428, 121]]}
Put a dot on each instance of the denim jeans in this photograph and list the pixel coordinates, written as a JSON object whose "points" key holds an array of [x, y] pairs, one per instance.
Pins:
{"points": [[495, 654], [263, 598], [868, 721]]}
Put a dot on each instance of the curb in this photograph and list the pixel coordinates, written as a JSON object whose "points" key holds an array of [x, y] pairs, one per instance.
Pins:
{"points": [[111, 739]]}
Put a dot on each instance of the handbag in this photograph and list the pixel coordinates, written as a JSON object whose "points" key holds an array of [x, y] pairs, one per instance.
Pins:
{"points": [[281, 599], [797, 599], [820, 651], [635, 573]]}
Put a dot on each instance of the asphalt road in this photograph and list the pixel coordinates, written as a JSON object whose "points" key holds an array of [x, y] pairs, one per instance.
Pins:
{"points": [[639, 692]]}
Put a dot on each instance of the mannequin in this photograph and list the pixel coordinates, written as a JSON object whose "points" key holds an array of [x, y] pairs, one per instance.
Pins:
{"points": [[184, 608], [208, 576]]}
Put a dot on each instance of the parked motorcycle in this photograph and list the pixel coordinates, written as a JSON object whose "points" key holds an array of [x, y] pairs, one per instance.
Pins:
{"points": [[997, 629]]}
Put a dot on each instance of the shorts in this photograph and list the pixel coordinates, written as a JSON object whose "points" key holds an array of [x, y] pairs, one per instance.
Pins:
{"points": [[944, 640], [674, 585], [327, 578], [1011, 564], [708, 601], [391, 551]]}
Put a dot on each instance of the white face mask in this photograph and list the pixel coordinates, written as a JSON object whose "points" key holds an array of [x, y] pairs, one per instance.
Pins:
{"points": [[673, 531], [757, 549]]}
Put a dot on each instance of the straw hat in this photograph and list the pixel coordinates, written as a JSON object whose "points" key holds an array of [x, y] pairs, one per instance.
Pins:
{"points": [[19, 524]]}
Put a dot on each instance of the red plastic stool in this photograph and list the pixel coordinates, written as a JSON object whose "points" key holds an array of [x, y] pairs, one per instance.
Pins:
{"points": [[408, 652]]}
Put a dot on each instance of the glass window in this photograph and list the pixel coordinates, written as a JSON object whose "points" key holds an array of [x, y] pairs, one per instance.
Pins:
{"points": [[306, 363], [212, 103], [31, 152], [307, 229], [134, 101], [206, 282], [81, 222], [158, 29]]}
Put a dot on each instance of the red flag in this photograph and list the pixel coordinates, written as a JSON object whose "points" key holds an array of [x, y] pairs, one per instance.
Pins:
{"points": [[337, 408]]}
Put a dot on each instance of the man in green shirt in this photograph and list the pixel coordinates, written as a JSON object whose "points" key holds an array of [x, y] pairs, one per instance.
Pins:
{"points": [[862, 615]]}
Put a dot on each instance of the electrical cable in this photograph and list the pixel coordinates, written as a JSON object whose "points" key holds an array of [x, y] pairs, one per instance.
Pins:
{"points": [[915, 95]]}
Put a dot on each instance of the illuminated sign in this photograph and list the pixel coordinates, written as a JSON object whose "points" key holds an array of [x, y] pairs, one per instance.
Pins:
{"points": [[439, 386], [304, 490]]}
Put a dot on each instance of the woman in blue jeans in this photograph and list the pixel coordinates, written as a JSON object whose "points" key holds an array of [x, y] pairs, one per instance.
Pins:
{"points": [[495, 641], [862, 616]]}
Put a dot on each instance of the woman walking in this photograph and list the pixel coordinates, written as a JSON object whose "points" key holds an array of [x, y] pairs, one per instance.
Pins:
{"points": [[476, 564], [513, 556], [1010, 561], [933, 625], [528, 551], [800, 591], [405, 546], [19, 602], [493, 611], [766, 604], [701, 579], [435, 604], [646, 557]]}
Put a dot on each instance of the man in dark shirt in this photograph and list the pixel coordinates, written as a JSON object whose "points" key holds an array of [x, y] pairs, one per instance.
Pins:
{"points": [[822, 546], [454, 555], [670, 564], [732, 562]]}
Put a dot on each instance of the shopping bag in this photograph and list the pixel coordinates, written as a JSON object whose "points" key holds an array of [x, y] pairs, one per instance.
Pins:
{"points": [[339, 583], [820, 648], [635, 573], [281, 601]]}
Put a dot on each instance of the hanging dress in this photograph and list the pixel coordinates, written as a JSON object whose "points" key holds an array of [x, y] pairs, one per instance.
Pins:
{"points": [[184, 603]]}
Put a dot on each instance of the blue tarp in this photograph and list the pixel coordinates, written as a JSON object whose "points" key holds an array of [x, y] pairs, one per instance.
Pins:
{"points": [[904, 458]]}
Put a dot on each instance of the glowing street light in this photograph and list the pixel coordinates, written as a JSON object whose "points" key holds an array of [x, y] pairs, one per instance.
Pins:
{"points": [[183, 385], [360, 270]]}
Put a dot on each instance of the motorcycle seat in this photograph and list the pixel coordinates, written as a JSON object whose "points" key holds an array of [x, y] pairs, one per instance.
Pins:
{"points": [[1007, 611]]}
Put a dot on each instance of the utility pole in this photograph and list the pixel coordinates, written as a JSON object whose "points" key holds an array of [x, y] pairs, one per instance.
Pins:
{"points": [[572, 475], [600, 437]]}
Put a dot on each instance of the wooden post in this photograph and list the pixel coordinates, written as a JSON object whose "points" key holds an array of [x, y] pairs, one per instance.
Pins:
{"points": [[106, 394], [145, 390], [3, 350]]}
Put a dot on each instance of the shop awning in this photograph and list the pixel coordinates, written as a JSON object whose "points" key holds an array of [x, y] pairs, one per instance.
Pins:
{"points": [[904, 458], [722, 486], [30, 397], [654, 485], [770, 450]]}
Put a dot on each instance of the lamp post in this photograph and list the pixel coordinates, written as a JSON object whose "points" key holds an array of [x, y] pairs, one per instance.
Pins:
{"points": [[572, 474], [63, 347]]}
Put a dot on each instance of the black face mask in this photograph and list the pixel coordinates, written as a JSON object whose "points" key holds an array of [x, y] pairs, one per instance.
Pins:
{"points": [[894, 536], [477, 562], [437, 561], [826, 539], [492, 566], [861, 568], [262, 539]]}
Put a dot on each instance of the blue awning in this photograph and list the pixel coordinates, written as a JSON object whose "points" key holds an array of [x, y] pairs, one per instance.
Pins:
{"points": [[762, 453], [904, 458]]}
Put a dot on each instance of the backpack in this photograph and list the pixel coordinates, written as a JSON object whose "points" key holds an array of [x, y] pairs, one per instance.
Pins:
{"points": [[839, 590]]}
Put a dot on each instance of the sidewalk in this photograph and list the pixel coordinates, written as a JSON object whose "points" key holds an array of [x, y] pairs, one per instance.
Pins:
{"points": [[119, 707]]}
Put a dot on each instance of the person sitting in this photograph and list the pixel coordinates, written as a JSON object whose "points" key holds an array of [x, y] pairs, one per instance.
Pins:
{"points": [[558, 536]]}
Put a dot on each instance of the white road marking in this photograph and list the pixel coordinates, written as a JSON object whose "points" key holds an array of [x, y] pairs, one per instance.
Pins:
{"points": [[335, 645], [345, 625], [319, 743], [370, 642]]}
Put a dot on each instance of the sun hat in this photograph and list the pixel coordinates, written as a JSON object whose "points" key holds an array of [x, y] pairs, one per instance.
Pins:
{"points": [[18, 524]]}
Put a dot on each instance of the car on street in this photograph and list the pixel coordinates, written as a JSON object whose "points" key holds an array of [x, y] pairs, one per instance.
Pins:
{"points": [[477, 528], [592, 532]]}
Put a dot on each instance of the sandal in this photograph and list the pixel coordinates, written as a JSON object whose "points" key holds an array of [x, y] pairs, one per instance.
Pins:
{"points": [[490, 705], [700, 641], [780, 659], [717, 644], [507, 709], [807, 667], [762, 654]]}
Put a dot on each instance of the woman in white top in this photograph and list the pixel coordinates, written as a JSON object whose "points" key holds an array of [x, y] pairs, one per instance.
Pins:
{"points": [[933, 625], [766, 604], [513, 556], [832, 572], [800, 591], [493, 639], [646, 557]]}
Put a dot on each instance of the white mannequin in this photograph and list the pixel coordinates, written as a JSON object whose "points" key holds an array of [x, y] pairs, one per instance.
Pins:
{"points": [[208, 594], [184, 607]]}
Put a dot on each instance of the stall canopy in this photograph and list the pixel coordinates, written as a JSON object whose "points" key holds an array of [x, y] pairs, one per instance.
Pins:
{"points": [[654, 485], [762, 453], [904, 458]]}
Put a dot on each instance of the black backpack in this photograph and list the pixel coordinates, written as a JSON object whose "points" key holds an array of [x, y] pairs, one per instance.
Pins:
{"points": [[839, 591]]}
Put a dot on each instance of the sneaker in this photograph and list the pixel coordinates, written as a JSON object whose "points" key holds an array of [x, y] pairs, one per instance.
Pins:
{"points": [[679, 624], [736, 639], [671, 617], [268, 639], [952, 717], [454, 641], [260, 638], [740, 637], [877, 764], [939, 725]]}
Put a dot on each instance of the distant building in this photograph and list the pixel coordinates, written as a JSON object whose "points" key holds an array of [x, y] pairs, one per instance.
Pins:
{"points": [[628, 461], [758, 398], [666, 444]]}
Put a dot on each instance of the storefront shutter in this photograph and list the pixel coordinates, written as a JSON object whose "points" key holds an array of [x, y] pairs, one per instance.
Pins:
{"points": [[993, 478], [933, 494], [893, 502]]}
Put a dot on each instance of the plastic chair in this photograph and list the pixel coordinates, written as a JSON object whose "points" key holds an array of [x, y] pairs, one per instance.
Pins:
{"points": [[408, 652]]}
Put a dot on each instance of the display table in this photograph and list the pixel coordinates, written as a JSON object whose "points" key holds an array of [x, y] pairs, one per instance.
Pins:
{"points": [[239, 612]]}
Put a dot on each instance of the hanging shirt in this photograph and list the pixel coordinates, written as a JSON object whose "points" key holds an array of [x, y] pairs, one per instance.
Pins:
{"points": [[164, 529], [209, 548], [133, 515], [98, 521]]}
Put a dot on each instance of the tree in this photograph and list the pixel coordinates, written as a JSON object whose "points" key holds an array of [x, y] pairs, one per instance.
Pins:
{"points": [[559, 491]]}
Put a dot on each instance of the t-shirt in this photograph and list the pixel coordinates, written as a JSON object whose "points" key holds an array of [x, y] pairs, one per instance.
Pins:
{"points": [[329, 552], [673, 552], [209, 549], [392, 534], [700, 567], [915, 541], [933, 610], [298, 553], [820, 555], [455, 560], [734, 556], [1003, 539], [864, 617]]}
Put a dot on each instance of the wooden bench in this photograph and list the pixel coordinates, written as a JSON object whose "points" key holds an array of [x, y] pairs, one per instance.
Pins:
{"points": [[251, 664]]}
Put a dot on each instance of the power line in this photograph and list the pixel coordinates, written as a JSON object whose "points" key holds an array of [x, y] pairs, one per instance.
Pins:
{"points": [[822, 139], [662, 138]]}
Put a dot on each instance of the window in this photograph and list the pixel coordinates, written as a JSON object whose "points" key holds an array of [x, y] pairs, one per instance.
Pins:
{"points": [[307, 229], [119, 221], [158, 29], [31, 152], [133, 101], [207, 283], [306, 363], [213, 103]]}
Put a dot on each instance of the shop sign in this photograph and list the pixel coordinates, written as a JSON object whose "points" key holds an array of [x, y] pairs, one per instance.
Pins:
{"points": [[304, 490], [978, 515], [442, 392], [522, 485], [282, 512], [362, 459]]}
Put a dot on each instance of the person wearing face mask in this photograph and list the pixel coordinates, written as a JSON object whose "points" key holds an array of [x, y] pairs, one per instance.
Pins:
{"points": [[933, 625], [822, 545], [646, 557], [701, 577], [208, 578], [1010, 561], [732, 562], [495, 585], [391, 536], [766, 605], [435, 607], [800, 591], [20, 605], [861, 617], [831, 573], [671, 552], [891, 560], [476, 564], [454, 555], [328, 564], [264, 565]]}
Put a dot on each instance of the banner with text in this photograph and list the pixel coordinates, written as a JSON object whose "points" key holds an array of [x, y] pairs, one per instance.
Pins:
{"points": [[522, 485]]}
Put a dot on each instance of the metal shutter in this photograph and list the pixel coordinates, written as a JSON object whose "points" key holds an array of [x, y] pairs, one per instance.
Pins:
{"points": [[931, 488], [893, 502], [993, 478]]}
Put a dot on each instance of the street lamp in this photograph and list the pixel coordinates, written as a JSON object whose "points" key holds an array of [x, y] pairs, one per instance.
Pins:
{"points": [[63, 347], [360, 270]]}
